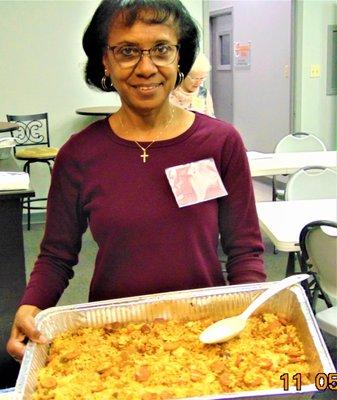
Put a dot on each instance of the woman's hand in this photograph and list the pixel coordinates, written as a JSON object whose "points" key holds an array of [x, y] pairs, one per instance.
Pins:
{"points": [[23, 328]]}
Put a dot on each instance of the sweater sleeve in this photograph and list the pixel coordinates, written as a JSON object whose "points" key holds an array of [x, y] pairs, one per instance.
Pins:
{"points": [[65, 225], [239, 228]]}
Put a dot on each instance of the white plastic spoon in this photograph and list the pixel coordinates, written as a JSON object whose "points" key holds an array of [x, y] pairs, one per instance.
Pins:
{"points": [[225, 329]]}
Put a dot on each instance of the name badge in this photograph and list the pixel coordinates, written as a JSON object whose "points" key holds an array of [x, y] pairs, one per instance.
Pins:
{"points": [[195, 182]]}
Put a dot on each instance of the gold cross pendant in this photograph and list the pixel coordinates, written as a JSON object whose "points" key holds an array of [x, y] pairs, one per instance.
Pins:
{"points": [[144, 155]]}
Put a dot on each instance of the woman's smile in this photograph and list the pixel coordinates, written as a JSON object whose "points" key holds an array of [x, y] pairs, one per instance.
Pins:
{"points": [[149, 88]]}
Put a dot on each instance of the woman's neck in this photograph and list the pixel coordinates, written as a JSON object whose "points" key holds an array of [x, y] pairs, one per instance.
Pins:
{"points": [[143, 126], [146, 119], [150, 126]]}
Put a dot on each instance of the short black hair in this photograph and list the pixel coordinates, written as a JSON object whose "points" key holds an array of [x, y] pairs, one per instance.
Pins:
{"points": [[96, 34]]}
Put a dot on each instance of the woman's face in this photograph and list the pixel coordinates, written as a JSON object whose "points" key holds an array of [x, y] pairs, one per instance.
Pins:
{"points": [[193, 80], [143, 86]]}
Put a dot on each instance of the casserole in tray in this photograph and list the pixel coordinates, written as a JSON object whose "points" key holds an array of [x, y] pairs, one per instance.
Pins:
{"points": [[195, 304]]}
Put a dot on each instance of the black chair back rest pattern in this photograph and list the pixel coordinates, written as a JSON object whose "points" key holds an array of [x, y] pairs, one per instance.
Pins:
{"points": [[33, 129]]}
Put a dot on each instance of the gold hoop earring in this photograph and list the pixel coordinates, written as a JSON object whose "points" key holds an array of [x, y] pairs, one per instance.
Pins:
{"points": [[180, 78], [103, 83], [106, 87]]}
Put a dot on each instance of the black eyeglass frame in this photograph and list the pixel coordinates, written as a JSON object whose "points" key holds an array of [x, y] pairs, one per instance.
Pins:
{"points": [[142, 51]]}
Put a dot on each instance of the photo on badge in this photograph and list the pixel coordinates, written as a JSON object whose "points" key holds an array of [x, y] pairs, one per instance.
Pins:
{"points": [[195, 182]]}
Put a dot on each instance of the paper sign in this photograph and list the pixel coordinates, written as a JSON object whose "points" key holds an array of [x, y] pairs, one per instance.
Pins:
{"points": [[242, 54]]}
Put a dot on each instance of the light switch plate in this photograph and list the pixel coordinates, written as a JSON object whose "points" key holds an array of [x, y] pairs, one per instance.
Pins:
{"points": [[315, 71]]}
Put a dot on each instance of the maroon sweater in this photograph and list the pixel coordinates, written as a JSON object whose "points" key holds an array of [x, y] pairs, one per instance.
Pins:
{"points": [[146, 243]]}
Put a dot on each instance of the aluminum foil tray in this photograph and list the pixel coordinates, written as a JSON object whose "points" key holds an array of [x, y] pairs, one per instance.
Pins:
{"points": [[218, 302]]}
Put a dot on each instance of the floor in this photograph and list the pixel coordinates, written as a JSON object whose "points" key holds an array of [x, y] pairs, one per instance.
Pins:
{"points": [[77, 292]]}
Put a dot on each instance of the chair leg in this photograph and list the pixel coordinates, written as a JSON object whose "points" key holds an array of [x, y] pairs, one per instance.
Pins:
{"points": [[273, 188], [29, 207], [26, 168], [50, 167], [28, 214]]}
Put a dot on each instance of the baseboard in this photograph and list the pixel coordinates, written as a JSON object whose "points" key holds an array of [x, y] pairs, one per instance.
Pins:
{"points": [[35, 218]]}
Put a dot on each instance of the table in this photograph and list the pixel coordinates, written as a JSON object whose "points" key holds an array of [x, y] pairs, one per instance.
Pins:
{"points": [[264, 164], [98, 111], [8, 126], [282, 221], [12, 267]]}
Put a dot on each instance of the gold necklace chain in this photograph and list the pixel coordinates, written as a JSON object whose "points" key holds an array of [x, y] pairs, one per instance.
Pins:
{"points": [[145, 155]]}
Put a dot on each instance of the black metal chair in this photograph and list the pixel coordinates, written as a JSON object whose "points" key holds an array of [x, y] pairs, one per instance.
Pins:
{"points": [[319, 258], [33, 146]]}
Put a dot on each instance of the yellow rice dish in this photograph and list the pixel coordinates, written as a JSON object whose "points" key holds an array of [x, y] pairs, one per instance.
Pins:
{"points": [[162, 360]]}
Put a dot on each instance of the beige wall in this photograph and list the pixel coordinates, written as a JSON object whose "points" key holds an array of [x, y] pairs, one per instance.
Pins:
{"points": [[315, 111]]}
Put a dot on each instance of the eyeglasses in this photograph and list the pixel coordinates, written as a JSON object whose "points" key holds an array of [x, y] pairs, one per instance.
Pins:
{"points": [[196, 80], [129, 56]]}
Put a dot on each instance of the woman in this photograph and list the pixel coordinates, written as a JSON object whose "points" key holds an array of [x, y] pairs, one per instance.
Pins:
{"points": [[190, 94], [111, 176]]}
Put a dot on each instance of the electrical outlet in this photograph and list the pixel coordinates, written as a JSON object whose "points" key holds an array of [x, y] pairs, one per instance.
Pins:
{"points": [[315, 71]]}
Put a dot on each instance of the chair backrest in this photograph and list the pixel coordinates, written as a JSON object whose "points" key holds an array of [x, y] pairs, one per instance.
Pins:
{"points": [[299, 142], [313, 182], [33, 129], [318, 242]]}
